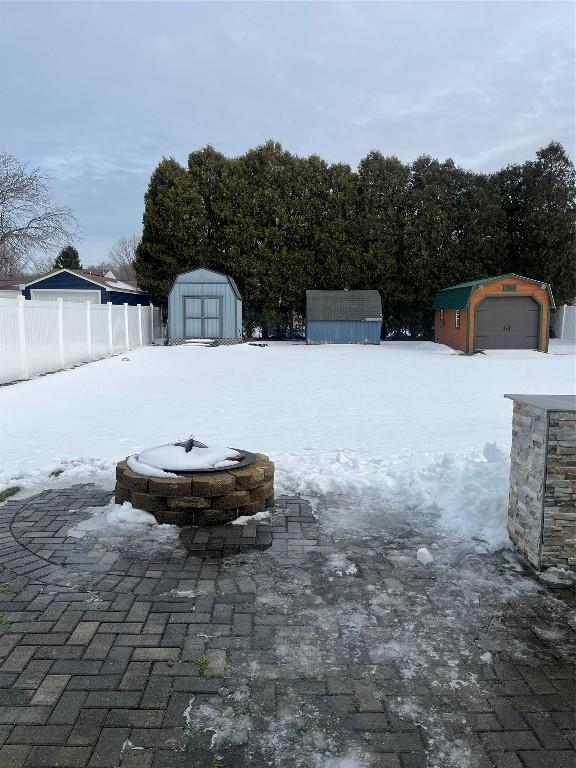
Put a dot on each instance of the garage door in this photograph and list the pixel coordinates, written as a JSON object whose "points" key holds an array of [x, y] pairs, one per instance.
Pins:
{"points": [[45, 294], [507, 323], [202, 317]]}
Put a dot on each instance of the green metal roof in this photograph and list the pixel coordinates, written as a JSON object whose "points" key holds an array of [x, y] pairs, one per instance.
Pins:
{"points": [[343, 305], [458, 296]]}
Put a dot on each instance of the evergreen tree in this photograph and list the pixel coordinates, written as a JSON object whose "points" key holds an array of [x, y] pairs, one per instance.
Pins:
{"points": [[335, 228], [382, 196], [205, 170], [68, 258], [540, 203], [172, 225], [280, 224]]}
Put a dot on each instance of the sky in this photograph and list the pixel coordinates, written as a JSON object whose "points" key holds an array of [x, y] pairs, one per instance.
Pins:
{"points": [[95, 94]]}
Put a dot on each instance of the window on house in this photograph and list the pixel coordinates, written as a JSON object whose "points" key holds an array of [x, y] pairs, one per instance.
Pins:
{"points": [[509, 287], [442, 317], [457, 318]]}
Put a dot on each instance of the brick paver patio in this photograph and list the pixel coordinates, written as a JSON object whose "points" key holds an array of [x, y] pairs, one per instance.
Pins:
{"points": [[290, 643]]}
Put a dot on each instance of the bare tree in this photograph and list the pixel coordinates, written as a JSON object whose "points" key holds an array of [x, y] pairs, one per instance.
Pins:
{"points": [[29, 222], [121, 258]]}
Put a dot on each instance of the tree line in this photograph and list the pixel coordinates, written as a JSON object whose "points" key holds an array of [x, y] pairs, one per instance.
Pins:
{"points": [[280, 224]]}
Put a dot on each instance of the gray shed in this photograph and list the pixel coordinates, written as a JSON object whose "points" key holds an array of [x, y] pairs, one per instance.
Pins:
{"points": [[343, 317], [204, 305]]}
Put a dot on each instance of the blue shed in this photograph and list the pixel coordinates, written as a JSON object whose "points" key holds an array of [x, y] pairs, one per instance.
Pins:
{"points": [[343, 317], [79, 285], [204, 305]]}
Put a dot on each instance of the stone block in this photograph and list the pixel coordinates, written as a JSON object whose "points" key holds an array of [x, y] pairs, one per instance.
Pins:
{"points": [[268, 471], [248, 478], [148, 502], [265, 491], [170, 486], [188, 502], [133, 481], [210, 485], [231, 500], [174, 517], [121, 467], [122, 494], [214, 516], [252, 508]]}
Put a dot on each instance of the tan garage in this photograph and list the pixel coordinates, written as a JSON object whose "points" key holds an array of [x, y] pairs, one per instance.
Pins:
{"points": [[503, 312]]}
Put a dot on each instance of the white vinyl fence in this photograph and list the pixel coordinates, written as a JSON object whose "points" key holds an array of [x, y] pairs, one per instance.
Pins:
{"points": [[565, 322], [41, 336]]}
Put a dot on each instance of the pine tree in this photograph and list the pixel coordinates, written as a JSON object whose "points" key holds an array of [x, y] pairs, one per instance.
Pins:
{"points": [[172, 225], [540, 202], [68, 258], [382, 196]]}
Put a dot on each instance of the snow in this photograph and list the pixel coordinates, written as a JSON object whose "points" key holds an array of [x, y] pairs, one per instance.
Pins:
{"points": [[423, 556], [401, 425], [558, 576], [170, 456], [120, 524], [146, 469], [255, 518]]}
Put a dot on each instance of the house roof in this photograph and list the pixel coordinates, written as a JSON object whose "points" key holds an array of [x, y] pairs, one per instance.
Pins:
{"points": [[458, 296], [343, 305], [109, 283]]}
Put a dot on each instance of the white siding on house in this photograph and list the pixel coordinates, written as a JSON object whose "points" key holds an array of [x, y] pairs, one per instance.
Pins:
{"points": [[46, 294]]}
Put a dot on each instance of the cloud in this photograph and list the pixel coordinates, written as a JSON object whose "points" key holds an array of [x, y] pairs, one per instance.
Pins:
{"points": [[73, 164]]}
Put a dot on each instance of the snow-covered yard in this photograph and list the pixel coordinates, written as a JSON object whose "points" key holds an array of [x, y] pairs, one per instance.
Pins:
{"points": [[406, 424]]}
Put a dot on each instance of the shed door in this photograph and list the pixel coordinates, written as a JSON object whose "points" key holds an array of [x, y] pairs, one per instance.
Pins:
{"points": [[507, 323], [202, 317]]}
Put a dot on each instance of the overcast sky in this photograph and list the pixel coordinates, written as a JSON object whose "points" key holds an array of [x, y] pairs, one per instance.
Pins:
{"points": [[96, 93]]}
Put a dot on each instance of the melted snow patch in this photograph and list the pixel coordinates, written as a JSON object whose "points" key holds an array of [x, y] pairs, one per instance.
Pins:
{"points": [[341, 566]]}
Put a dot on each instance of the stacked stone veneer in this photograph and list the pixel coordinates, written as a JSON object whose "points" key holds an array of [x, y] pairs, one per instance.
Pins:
{"points": [[201, 499], [542, 503]]}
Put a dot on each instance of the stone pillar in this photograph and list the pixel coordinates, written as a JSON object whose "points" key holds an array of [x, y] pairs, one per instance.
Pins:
{"points": [[542, 501]]}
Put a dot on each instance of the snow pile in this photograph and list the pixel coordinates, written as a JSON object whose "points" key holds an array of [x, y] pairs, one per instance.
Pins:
{"points": [[558, 576], [340, 564], [255, 518], [118, 525], [423, 556], [175, 457], [467, 492], [147, 469]]}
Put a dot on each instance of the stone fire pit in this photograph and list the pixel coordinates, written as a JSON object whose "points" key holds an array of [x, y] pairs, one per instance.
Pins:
{"points": [[206, 496]]}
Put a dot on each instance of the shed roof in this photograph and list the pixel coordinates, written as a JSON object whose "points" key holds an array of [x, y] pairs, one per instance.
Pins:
{"points": [[343, 305], [458, 296], [185, 276], [109, 283]]}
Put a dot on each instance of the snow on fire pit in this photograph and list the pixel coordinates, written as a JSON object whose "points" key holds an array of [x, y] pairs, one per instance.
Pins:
{"points": [[189, 483]]}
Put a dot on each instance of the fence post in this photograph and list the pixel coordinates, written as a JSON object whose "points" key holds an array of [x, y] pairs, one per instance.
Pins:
{"points": [[151, 323], [110, 335], [60, 303], [22, 338], [140, 325], [126, 332], [89, 330]]}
